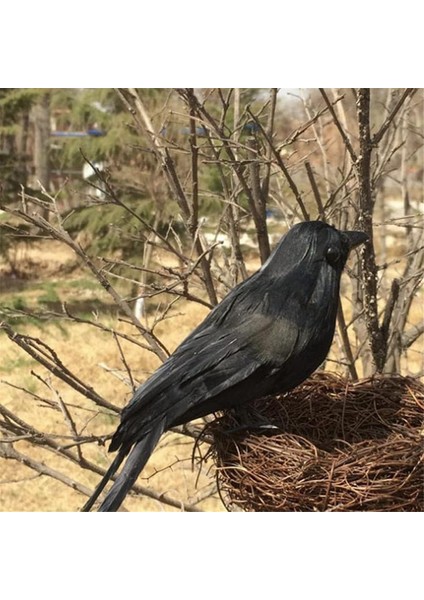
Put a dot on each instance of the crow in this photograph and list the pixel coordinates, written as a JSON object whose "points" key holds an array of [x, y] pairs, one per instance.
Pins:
{"points": [[265, 337]]}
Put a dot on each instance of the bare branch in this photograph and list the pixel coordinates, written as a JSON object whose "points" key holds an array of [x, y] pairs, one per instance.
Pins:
{"points": [[8, 451], [189, 97], [64, 237], [312, 120], [124, 361], [337, 123], [409, 92], [46, 356], [315, 190], [411, 335], [137, 109], [284, 169], [257, 201]]}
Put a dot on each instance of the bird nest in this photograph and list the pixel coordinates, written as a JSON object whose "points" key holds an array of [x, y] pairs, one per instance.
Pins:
{"points": [[334, 446]]}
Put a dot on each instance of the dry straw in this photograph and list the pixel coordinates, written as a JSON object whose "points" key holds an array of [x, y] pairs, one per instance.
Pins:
{"points": [[338, 446]]}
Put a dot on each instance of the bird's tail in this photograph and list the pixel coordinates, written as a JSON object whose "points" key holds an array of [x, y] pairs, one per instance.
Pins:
{"points": [[108, 475], [135, 462]]}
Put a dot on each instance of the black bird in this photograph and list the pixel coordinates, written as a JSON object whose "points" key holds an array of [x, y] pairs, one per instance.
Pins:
{"points": [[265, 337]]}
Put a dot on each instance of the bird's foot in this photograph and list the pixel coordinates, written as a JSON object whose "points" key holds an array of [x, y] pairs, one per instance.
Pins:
{"points": [[252, 427], [251, 421]]}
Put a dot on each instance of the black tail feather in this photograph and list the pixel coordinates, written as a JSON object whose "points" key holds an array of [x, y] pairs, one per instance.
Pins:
{"points": [[136, 460], [106, 477]]}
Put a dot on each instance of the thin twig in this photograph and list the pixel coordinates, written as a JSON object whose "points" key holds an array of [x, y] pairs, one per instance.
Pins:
{"points": [[46, 356], [337, 123], [409, 92], [284, 169], [315, 190], [133, 102], [124, 361]]}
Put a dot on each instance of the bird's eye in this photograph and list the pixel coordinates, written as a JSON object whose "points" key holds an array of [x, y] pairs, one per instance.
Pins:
{"points": [[332, 255]]}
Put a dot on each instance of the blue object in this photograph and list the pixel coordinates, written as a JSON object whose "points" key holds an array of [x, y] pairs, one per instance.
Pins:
{"points": [[77, 134], [96, 132], [251, 127]]}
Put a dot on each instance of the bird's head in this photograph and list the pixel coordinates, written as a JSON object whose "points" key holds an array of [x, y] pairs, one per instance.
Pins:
{"points": [[333, 246], [313, 245]]}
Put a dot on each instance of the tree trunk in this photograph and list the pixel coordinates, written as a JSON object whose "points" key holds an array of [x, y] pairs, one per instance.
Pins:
{"points": [[41, 114]]}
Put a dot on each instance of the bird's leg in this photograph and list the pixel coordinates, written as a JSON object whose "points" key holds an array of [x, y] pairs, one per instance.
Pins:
{"points": [[250, 419]]}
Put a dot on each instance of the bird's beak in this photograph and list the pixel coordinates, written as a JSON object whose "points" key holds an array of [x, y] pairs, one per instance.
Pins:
{"points": [[355, 238]]}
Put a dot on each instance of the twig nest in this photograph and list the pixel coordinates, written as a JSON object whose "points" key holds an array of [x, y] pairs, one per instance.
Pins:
{"points": [[337, 446]]}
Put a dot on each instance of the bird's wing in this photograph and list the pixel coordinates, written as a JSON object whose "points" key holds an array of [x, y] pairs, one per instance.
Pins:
{"points": [[224, 362]]}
